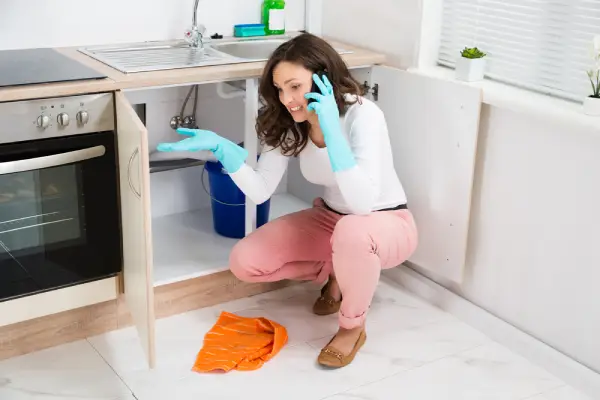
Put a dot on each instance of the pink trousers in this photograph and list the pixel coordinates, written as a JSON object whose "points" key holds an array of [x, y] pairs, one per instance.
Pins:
{"points": [[315, 243]]}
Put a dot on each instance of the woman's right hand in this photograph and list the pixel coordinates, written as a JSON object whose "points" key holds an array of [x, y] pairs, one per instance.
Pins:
{"points": [[228, 153], [198, 139]]}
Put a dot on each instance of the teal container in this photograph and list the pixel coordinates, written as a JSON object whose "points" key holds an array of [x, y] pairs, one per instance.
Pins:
{"points": [[249, 30], [273, 16]]}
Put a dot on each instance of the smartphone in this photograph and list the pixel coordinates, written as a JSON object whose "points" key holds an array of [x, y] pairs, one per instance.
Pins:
{"points": [[315, 88]]}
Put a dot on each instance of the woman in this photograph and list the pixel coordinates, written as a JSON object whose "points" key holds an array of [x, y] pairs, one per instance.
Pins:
{"points": [[361, 224]]}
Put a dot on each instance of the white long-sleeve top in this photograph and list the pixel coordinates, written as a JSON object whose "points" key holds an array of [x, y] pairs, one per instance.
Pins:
{"points": [[372, 184]]}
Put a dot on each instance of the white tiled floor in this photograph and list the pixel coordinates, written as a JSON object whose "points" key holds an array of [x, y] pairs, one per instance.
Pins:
{"points": [[413, 351]]}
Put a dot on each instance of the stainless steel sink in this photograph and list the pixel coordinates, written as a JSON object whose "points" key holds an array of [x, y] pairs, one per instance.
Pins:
{"points": [[155, 56], [251, 49], [164, 55]]}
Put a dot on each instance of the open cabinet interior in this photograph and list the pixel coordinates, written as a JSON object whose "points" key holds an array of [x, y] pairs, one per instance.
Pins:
{"points": [[185, 244]]}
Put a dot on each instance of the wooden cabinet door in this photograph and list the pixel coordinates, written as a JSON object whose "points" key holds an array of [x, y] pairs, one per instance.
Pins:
{"points": [[134, 174], [433, 126]]}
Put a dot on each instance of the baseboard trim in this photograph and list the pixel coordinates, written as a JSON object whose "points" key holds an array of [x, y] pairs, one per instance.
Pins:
{"points": [[76, 324], [562, 366]]}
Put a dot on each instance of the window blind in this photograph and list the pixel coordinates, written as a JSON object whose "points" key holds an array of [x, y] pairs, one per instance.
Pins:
{"points": [[542, 45]]}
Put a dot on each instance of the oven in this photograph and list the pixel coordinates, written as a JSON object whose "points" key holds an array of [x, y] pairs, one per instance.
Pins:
{"points": [[59, 207]]}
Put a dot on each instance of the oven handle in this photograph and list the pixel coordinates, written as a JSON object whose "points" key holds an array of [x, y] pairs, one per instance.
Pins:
{"points": [[55, 160]]}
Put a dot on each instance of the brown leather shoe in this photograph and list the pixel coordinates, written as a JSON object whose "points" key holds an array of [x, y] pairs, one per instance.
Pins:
{"points": [[333, 358], [326, 305]]}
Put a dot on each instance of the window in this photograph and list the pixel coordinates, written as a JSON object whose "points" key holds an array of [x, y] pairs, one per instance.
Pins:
{"points": [[542, 45]]}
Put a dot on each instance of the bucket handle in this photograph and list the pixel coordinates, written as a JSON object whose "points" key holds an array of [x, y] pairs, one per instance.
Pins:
{"points": [[209, 195]]}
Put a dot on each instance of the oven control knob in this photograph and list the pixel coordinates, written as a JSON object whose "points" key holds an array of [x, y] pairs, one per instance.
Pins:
{"points": [[63, 119], [43, 121], [83, 117]]}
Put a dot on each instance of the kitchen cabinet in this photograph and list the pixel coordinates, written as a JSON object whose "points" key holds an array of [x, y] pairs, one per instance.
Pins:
{"points": [[433, 138]]}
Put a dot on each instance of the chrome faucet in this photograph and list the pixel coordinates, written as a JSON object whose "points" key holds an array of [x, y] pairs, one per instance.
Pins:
{"points": [[195, 35]]}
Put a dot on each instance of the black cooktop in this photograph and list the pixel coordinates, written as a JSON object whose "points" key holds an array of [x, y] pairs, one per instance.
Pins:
{"points": [[31, 66]]}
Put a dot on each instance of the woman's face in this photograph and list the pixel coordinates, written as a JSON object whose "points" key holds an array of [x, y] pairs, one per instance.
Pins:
{"points": [[293, 81]]}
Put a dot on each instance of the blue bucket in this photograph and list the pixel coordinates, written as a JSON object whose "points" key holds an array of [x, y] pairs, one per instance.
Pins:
{"points": [[228, 203]]}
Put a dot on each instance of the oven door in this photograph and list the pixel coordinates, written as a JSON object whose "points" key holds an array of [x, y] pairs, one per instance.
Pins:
{"points": [[59, 213]]}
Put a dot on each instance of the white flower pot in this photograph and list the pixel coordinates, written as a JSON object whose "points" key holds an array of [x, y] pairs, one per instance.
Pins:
{"points": [[470, 69], [591, 106]]}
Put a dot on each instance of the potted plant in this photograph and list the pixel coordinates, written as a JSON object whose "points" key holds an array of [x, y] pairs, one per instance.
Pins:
{"points": [[470, 66], [591, 104]]}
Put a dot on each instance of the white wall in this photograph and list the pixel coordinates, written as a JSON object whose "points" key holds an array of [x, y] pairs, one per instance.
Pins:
{"points": [[388, 26], [57, 23]]}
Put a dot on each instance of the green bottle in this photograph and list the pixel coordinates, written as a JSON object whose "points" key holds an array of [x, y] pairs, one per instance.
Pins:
{"points": [[273, 16]]}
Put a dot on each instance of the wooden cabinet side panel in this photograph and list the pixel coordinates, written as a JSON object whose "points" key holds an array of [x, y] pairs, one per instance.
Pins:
{"points": [[136, 222]]}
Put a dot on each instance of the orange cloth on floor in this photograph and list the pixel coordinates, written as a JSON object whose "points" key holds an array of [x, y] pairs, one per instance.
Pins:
{"points": [[240, 343]]}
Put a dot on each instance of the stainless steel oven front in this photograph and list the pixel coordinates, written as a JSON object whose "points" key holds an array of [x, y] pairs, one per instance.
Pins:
{"points": [[59, 207]]}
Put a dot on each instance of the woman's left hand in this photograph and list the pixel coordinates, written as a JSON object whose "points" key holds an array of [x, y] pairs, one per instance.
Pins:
{"points": [[325, 107]]}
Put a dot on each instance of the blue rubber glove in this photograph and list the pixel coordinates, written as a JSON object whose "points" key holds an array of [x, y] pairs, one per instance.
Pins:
{"points": [[338, 149], [228, 153]]}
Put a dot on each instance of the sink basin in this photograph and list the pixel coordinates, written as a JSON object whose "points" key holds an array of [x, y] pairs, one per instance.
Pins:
{"points": [[164, 55], [250, 50], [254, 50]]}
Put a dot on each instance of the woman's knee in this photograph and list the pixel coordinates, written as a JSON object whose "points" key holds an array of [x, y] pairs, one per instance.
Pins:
{"points": [[350, 234], [243, 260]]}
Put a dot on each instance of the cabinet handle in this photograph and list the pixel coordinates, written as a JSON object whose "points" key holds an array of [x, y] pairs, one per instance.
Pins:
{"points": [[55, 160], [133, 189]]}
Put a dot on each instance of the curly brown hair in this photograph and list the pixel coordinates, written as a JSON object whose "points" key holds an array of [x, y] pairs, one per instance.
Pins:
{"points": [[315, 54]]}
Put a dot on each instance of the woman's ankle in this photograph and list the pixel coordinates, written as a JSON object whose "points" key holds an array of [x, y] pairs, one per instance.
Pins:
{"points": [[334, 289], [356, 329]]}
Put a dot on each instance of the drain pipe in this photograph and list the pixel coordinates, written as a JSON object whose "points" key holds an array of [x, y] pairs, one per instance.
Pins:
{"points": [[229, 95]]}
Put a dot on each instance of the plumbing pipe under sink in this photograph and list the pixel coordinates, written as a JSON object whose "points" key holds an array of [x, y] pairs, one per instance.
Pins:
{"points": [[229, 95]]}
